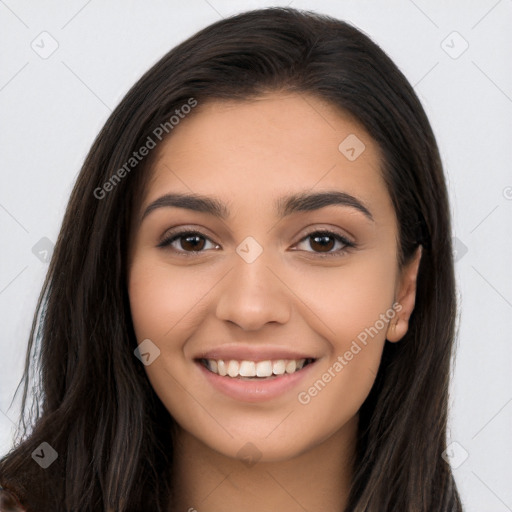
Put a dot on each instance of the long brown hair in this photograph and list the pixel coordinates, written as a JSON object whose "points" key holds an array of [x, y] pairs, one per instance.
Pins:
{"points": [[92, 401]]}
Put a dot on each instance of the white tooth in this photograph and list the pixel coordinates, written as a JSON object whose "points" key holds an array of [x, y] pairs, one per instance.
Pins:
{"points": [[221, 368], [291, 366], [233, 368], [213, 365], [264, 369], [247, 369], [279, 367], [300, 363]]}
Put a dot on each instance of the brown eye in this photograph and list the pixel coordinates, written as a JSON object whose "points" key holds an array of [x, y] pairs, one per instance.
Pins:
{"points": [[187, 242], [192, 242], [323, 243]]}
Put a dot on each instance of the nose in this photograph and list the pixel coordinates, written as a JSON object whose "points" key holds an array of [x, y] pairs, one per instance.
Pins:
{"points": [[253, 295]]}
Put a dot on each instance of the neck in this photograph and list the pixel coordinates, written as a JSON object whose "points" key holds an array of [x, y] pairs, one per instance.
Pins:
{"points": [[317, 479]]}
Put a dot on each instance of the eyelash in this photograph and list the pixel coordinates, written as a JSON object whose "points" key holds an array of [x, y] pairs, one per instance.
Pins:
{"points": [[172, 237]]}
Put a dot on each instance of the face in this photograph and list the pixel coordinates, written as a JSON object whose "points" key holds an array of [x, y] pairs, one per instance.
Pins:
{"points": [[290, 266]]}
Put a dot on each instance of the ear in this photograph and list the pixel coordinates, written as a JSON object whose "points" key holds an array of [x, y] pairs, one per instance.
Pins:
{"points": [[406, 298]]}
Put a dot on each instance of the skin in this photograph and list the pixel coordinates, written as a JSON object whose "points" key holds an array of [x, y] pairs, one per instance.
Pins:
{"points": [[247, 154]]}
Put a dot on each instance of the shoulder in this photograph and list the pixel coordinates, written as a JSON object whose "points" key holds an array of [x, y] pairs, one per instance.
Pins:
{"points": [[9, 502]]}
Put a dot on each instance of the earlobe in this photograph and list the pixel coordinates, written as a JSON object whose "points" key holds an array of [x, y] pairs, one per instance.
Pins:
{"points": [[406, 298]]}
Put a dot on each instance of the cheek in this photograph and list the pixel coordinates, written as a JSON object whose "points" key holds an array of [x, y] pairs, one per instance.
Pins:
{"points": [[349, 299], [162, 298], [165, 304], [355, 305]]}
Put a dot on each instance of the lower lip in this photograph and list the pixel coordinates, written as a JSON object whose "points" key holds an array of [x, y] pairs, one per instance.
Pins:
{"points": [[255, 390]]}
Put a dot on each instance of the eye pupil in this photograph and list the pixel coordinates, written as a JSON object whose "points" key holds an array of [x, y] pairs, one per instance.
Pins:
{"points": [[192, 240], [323, 241]]}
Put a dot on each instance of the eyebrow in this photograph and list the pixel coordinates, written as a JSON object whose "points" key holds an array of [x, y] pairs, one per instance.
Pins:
{"points": [[285, 206]]}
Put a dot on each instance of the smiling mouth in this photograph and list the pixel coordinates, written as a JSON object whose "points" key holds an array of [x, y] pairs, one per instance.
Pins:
{"points": [[252, 370]]}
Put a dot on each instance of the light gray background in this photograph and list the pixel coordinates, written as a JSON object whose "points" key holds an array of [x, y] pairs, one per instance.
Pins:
{"points": [[52, 108]]}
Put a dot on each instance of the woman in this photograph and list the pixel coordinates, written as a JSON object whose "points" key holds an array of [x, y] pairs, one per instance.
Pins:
{"points": [[251, 301]]}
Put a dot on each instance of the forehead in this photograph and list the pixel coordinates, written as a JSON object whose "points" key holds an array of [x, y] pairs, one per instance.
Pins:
{"points": [[260, 148]]}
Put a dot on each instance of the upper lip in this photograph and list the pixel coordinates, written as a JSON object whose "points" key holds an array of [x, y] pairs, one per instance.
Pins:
{"points": [[252, 353]]}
